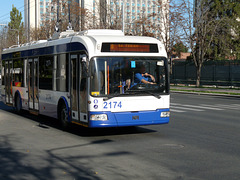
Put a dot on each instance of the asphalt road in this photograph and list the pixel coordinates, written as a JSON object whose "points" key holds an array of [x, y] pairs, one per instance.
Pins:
{"points": [[202, 141]]}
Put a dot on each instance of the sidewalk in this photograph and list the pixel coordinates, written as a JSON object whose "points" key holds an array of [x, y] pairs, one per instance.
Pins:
{"points": [[207, 90]]}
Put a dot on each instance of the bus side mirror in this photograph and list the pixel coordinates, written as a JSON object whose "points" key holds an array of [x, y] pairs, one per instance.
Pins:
{"points": [[169, 61], [85, 64]]}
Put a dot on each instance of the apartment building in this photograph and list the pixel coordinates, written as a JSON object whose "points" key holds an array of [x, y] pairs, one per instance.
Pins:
{"points": [[123, 12], [36, 11], [130, 13]]}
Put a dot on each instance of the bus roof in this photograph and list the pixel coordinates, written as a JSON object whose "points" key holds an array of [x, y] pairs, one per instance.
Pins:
{"points": [[92, 40]]}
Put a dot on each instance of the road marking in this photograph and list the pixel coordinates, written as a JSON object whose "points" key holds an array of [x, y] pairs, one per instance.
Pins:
{"points": [[221, 106], [236, 105], [198, 106], [175, 110], [177, 107], [185, 108]]}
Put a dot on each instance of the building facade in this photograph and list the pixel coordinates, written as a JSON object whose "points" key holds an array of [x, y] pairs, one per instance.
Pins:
{"points": [[132, 16], [37, 11]]}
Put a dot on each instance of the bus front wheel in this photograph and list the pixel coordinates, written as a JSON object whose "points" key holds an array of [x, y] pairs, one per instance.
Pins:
{"points": [[63, 117]]}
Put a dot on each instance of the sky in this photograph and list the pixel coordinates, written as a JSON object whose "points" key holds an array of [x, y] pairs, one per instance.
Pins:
{"points": [[6, 7]]}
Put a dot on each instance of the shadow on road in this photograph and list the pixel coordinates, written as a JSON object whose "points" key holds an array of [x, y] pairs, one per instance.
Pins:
{"points": [[48, 122], [21, 164]]}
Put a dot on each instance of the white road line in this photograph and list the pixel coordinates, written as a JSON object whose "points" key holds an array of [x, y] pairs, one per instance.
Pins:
{"points": [[221, 106], [175, 110], [185, 108], [236, 105], [201, 107]]}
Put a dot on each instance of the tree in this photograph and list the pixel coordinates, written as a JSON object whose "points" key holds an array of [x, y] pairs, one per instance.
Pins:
{"points": [[180, 47], [202, 28], [225, 44], [15, 27], [3, 38], [166, 23]]}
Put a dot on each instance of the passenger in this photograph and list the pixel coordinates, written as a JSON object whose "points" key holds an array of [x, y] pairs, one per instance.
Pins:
{"points": [[144, 77]]}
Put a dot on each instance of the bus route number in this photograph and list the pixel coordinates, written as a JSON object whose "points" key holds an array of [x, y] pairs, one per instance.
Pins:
{"points": [[112, 105]]}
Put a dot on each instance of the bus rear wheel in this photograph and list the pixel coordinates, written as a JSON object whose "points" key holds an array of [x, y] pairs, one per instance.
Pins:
{"points": [[18, 105], [63, 117]]}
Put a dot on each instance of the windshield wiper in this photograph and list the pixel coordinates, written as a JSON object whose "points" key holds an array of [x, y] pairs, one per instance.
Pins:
{"points": [[115, 95], [153, 94], [144, 91]]}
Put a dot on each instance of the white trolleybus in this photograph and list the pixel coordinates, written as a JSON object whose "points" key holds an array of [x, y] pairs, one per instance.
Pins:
{"points": [[94, 78]]}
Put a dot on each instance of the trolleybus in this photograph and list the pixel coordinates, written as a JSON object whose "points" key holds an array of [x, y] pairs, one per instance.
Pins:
{"points": [[93, 78]]}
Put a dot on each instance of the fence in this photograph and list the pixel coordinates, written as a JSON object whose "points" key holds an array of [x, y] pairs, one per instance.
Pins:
{"points": [[220, 73]]}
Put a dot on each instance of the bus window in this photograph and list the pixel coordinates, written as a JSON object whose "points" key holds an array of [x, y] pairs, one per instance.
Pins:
{"points": [[3, 72], [18, 73], [121, 75], [62, 73], [45, 72]]}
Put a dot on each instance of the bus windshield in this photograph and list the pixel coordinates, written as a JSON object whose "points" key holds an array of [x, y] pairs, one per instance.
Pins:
{"points": [[114, 76]]}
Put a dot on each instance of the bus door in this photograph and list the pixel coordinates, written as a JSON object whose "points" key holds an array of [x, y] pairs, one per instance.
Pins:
{"points": [[33, 84], [8, 85], [83, 88], [78, 90]]}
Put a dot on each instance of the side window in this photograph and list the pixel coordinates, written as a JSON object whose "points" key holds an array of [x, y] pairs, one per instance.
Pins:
{"points": [[3, 72], [45, 72], [62, 73], [18, 73]]}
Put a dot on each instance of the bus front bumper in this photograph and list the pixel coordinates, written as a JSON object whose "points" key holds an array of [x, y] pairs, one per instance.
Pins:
{"points": [[119, 119]]}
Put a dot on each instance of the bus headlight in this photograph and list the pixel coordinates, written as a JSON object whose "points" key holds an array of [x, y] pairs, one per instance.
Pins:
{"points": [[165, 114], [98, 117]]}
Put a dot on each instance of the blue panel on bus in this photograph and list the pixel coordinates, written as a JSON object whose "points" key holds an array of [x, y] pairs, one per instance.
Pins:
{"points": [[49, 50], [7, 56], [130, 118]]}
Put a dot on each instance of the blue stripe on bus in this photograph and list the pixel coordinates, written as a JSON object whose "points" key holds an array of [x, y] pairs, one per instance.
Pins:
{"points": [[48, 50], [130, 118]]}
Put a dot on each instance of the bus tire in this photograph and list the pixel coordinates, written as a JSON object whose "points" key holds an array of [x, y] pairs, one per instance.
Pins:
{"points": [[18, 104], [63, 117]]}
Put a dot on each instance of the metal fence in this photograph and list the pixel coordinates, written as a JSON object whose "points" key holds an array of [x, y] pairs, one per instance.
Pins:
{"points": [[220, 73]]}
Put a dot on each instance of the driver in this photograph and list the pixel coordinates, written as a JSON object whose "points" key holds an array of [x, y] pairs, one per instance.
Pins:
{"points": [[143, 77]]}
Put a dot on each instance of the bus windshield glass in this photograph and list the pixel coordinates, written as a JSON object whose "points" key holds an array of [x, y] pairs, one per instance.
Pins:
{"points": [[114, 76]]}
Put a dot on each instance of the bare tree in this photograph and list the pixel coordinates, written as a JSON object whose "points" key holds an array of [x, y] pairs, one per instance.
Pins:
{"points": [[165, 23], [200, 28]]}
